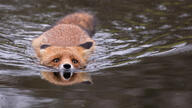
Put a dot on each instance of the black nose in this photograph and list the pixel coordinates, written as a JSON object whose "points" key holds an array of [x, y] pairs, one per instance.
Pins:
{"points": [[67, 66]]}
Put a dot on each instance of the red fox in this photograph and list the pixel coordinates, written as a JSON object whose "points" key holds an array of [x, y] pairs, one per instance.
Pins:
{"points": [[67, 45]]}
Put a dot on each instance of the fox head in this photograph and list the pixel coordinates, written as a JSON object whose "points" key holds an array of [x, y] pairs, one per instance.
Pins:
{"points": [[66, 59]]}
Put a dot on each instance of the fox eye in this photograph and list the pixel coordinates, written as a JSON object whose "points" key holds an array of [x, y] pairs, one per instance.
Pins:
{"points": [[75, 61], [55, 60]]}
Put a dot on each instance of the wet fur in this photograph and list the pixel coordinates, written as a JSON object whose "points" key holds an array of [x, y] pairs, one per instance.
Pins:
{"points": [[69, 39]]}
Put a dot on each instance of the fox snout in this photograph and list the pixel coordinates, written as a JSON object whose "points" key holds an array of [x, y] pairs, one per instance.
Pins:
{"points": [[66, 70], [67, 66]]}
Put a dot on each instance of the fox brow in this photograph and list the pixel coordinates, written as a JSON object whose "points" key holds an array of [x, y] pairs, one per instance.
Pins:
{"points": [[60, 55]]}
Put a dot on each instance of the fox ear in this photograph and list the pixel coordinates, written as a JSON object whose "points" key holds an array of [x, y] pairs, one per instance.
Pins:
{"points": [[44, 46], [87, 45]]}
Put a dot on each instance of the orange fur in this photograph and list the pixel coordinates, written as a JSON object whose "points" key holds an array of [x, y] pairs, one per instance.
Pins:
{"points": [[65, 41], [82, 19]]}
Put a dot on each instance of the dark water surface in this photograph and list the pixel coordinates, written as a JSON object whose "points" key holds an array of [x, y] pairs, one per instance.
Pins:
{"points": [[143, 57]]}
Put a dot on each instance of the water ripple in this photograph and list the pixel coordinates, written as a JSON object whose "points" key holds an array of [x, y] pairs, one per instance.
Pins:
{"points": [[150, 32]]}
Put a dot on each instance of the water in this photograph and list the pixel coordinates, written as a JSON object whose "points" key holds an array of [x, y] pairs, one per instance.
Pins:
{"points": [[142, 58]]}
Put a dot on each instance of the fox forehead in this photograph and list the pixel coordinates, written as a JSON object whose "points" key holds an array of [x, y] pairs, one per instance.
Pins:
{"points": [[64, 52], [58, 52]]}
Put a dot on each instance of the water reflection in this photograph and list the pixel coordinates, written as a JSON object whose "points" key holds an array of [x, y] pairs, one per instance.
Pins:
{"points": [[59, 79]]}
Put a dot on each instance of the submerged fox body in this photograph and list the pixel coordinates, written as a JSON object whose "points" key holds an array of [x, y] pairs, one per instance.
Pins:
{"points": [[66, 46]]}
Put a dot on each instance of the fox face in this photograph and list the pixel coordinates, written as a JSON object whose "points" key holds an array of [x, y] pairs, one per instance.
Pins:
{"points": [[66, 60]]}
